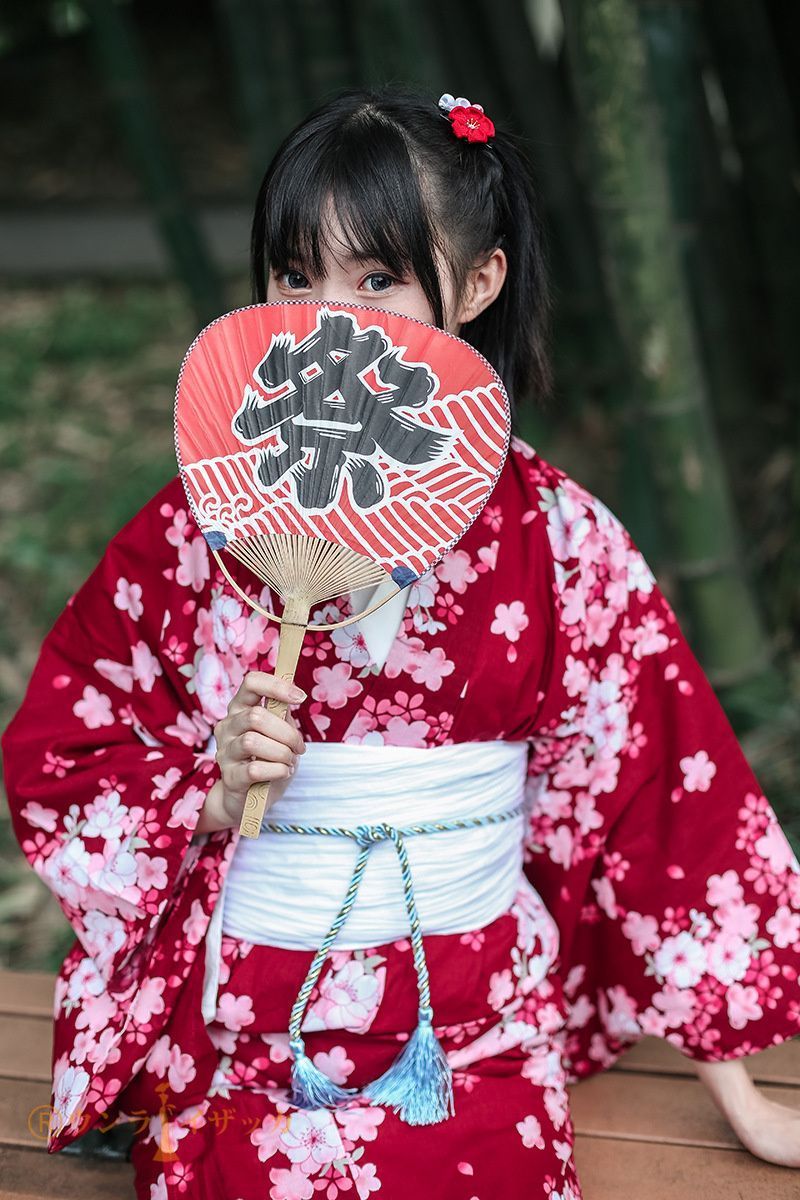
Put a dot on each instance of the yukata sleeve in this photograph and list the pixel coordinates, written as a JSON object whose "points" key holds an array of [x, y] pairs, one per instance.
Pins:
{"points": [[676, 892], [105, 761]]}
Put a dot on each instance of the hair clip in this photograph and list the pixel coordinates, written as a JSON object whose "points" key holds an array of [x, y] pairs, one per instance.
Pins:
{"points": [[468, 120]]}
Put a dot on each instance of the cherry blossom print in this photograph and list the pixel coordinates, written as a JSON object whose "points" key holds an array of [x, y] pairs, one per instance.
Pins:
{"points": [[492, 516], [128, 598], [235, 1011], [530, 1131], [510, 620], [167, 1061], [628, 695], [680, 960], [350, 645], [334, 686], [94, 708], [335, 1064], [784, 927], [214, 686], [658, 893], [698, 771], [430, 668], [349, 997], [487, 557], [193, 569], [312, 1140], [773, 847], [456, 571], [567, 526], [642, 931], [743, 1005]]}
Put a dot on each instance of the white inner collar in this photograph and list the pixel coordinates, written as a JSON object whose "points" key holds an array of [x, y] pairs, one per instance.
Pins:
{"points": [[380, 628]]}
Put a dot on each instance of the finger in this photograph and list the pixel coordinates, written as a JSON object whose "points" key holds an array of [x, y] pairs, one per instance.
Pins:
{"points": [[256, 744], [295, 724], [270, 725], [243, 774], [257, 684]]}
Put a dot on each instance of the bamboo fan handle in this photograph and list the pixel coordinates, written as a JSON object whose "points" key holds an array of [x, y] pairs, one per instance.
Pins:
{"points": [[293, 630]]}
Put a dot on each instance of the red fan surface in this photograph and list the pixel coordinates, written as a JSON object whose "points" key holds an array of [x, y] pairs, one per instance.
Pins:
{"points": [[347, 423]]}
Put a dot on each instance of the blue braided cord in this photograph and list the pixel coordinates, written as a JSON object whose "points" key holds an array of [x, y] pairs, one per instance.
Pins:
{"points": [[367, 836], [423, 981], [298, 1008], [406, 831]]}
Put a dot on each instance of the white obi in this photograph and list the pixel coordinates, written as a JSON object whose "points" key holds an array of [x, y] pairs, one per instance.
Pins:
{"points": [[284, 889]]}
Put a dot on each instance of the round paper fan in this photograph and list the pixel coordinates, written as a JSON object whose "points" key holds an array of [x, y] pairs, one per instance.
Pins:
{"points": [[328, 445]]}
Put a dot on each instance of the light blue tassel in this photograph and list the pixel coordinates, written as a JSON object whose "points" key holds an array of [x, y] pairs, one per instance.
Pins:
{"points": [[312, 1088], [419, 1083]]}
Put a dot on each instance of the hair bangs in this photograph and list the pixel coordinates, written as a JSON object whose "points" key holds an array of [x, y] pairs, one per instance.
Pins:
{"points": [[353, 192]]}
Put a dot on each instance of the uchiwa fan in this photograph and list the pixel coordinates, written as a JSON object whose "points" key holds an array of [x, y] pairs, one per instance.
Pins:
{"points": [[328, 445]]}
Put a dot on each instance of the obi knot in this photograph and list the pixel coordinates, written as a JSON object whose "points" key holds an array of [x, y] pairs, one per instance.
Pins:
{"points": [[368, 835]]}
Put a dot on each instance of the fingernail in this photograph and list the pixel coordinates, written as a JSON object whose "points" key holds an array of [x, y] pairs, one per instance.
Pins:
{"points": [[296, 693]]}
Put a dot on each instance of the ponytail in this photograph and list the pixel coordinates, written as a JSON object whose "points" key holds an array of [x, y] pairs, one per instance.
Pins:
{"points": [[514, 331]]}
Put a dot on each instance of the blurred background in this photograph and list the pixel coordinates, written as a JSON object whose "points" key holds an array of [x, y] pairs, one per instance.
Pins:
{"points": [[663, 137]]}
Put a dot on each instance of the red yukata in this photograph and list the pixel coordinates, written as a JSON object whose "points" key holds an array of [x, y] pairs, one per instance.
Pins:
{"points": [[671, 897]]}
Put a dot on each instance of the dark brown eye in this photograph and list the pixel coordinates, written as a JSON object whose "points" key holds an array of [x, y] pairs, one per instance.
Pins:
{"points": [[382, 281]]}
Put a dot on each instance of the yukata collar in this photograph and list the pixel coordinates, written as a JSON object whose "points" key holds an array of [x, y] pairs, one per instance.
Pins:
{"points": [[380, 628]]}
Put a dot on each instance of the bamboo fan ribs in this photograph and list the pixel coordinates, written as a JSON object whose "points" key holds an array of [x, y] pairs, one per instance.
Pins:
{"points": [[328, 445]]}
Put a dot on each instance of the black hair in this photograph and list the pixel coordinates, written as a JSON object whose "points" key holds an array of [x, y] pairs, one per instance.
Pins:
{"points": [[402, 187]]}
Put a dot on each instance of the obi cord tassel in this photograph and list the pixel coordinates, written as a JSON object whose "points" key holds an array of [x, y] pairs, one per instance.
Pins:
{"points": [[418, 1085]]}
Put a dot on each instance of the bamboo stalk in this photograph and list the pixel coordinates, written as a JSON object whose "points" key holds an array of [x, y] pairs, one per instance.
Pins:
{"points": [[392, 41], [763, 127], [322, 45], [631, 195], [589, 349], [121, 61], [674, 40], [259, 46]]}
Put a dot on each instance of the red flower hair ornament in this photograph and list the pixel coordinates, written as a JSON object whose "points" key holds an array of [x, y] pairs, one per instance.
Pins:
{"points": [[469, 121]]}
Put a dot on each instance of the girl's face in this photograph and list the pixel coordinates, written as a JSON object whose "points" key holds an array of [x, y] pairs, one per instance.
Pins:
{"points": [[349, 280]]}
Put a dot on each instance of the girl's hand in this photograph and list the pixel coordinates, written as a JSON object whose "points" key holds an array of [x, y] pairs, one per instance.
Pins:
{"points": [[253, 746], [770, 1131]]}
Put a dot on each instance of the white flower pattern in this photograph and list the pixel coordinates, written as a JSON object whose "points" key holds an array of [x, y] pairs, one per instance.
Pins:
{"points": [[635, 914]]}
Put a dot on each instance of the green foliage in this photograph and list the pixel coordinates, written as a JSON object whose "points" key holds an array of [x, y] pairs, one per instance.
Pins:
{"points": [[87, 381], [87, 376]]}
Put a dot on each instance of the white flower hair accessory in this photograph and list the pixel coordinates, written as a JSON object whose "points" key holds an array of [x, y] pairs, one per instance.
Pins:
{"points": [[447, 102]]}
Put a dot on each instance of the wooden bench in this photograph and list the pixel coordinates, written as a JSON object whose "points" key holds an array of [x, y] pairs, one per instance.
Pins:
{"points": [[646, 1129]]}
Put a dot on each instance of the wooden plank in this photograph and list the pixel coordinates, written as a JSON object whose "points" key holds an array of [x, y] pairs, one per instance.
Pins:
{"points": [[648, 1120], [26, 1045], [662, 1132], [24, 1113], [30, 992], [606, 1170], [610, 1170], [27, 1175], [662, 1108], [778, 1064]]}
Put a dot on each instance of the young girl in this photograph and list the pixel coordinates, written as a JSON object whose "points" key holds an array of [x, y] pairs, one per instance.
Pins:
{"points": [[649, 889]]}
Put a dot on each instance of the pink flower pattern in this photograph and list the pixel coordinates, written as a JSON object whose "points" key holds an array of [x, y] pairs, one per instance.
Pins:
{"points": [[637, 913]]}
